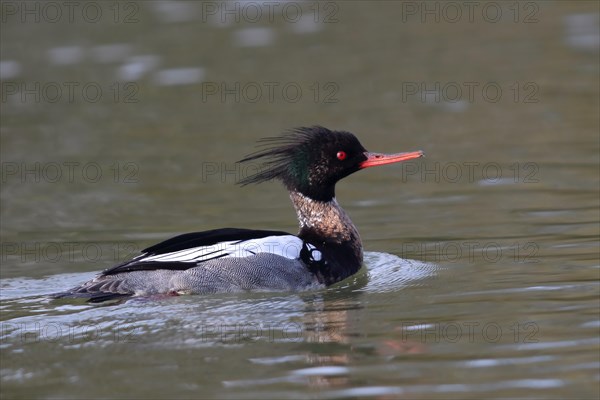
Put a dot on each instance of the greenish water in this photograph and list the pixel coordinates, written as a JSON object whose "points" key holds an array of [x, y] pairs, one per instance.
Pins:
{"points": [[121, 129]]}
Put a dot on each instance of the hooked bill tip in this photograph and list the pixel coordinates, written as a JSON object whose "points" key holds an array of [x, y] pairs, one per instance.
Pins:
{"points": [[374, 159]]}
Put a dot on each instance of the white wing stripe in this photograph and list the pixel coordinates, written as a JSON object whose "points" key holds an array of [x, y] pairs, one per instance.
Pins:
{"points": [[193, 254], [288, 246]]}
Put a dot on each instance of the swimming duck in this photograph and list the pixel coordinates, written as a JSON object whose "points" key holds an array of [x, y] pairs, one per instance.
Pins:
{"points": [[309, 161]]}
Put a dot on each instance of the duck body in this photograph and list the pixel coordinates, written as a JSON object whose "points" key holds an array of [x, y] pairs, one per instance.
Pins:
{"points": [[327, 249]]}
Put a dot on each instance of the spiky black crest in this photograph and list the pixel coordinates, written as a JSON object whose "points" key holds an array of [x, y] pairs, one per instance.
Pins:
{"points": [[304, 159], [280, 152]]}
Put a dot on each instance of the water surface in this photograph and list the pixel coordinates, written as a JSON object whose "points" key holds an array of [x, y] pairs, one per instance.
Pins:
{"points": [[482, 266]]}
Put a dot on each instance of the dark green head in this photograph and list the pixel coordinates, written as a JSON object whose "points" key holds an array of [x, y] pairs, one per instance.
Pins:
{"points": [[312, 160]]}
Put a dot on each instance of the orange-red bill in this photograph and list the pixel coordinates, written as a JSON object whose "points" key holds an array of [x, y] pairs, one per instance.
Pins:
{"points": [[374, 159]]}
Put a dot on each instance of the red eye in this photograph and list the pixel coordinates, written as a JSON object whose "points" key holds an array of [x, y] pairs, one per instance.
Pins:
{"points": [[341, 155]]}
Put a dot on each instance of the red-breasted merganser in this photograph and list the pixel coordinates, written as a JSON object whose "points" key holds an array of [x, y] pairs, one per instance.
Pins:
{"points": [[327, 249]]}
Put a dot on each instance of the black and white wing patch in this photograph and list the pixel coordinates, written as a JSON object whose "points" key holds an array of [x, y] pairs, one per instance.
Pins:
{"points": [[188, 250]]}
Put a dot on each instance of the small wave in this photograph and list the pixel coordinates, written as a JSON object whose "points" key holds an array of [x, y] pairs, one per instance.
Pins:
{"points": [[389, 273]]}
